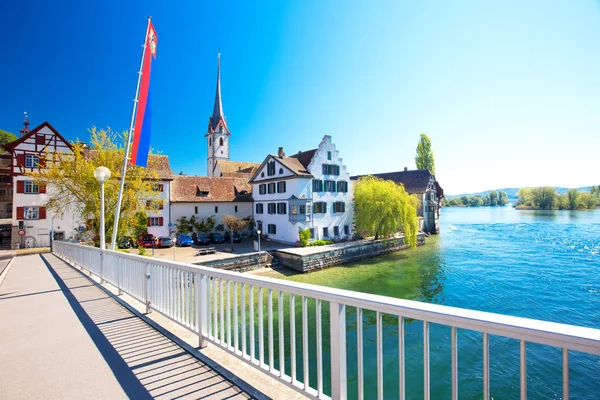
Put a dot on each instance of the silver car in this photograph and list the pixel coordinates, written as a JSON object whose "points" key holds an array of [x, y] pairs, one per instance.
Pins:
{"points": [[165, 241]]}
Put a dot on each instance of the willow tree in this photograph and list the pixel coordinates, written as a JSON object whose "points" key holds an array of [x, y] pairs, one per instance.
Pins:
{"points": [[424, 158], [71, 186], [383, 207]]}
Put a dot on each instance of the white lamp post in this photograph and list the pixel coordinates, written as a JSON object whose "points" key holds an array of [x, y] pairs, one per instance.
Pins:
{"points": [[102, 174], [258, 240]]}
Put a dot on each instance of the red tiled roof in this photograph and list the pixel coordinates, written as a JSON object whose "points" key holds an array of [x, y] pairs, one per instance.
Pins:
{"points": [[203, 189]]}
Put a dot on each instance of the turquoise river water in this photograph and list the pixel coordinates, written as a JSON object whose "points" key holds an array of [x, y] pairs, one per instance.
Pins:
{"points": [[536, 264]]}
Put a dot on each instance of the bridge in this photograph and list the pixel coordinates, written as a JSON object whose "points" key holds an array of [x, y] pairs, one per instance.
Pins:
{"points": [[293, 336]]}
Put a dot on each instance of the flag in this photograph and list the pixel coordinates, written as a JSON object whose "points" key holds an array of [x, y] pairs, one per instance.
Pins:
{"points": [[143, 116]]}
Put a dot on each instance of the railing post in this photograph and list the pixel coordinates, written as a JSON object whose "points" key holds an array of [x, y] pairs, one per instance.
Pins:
{"points": [[102, 280], [146, 291], [337, 320], [118, 266], [202, 308]]}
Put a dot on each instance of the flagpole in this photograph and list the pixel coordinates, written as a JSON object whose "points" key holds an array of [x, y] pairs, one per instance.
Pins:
{"points": [[135, 104]]}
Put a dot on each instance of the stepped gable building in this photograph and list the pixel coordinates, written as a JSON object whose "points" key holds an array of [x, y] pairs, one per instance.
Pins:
{"points": [[308, 190], [203, 197], [422, 183]]}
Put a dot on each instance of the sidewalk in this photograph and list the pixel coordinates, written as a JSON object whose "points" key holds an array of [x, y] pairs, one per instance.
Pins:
{"points": [[61, 337]]}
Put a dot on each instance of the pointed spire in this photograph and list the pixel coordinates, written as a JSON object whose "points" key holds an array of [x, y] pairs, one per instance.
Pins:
{"points": [[218, 118], [25, 129]]}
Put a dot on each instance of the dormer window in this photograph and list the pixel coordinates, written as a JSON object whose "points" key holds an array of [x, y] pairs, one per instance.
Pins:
{"points": [[31, 161]]}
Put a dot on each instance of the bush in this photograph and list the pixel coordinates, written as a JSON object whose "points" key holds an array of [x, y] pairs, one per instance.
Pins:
{"points": [[321, 243], [304, 236], [142, 251]]}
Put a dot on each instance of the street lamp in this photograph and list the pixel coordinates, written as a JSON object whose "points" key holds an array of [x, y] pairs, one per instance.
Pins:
{"points": [[258, 232], [102, 174]]}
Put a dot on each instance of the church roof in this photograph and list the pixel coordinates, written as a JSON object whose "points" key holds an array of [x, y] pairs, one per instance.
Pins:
{"points": [[305, 157], [204, 189], [218, 118], [414, 181]]}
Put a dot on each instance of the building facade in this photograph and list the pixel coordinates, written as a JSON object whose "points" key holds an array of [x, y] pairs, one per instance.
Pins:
{"points": [[309, 190], [217, 135]]}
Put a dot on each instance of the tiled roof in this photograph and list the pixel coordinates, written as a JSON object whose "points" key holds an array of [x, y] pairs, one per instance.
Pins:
{"points": [[305, 157], [203, 189], [294, 164], [233, 168], [414, 181]]}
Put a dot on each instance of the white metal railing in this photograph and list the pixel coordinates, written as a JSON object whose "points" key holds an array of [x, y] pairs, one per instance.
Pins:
{"points": [[227, 309]]}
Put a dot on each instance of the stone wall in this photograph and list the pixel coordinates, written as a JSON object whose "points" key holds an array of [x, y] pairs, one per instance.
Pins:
{"points": [[246, 262], [339, 255]]}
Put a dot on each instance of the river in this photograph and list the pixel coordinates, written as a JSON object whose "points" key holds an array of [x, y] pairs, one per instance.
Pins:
{"points": [[535, 264]]}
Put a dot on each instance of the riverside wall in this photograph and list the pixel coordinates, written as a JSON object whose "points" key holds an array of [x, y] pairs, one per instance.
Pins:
{"points": [[328, 256], [242, 263]]}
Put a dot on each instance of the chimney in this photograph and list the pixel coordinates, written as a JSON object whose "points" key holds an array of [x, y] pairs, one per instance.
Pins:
{"points": [[405, 169], [280, 153]]}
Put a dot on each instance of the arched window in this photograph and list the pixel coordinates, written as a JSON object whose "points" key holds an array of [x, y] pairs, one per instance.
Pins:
{"points": [[209, 141], [221, 142], [280, 171]]}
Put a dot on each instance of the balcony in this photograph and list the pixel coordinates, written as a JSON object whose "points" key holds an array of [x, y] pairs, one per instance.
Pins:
{"points": [[299, 217]]}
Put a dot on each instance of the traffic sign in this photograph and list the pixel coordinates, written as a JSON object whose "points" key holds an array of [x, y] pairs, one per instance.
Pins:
{"points": [[21, 232], [170, 224]]}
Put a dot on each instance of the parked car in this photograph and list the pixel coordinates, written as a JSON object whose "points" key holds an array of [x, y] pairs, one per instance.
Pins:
{"points": [[236, 237], [165, 241], [201, 239], [184, 241], [126, 242], [147, 240], [216, 238]]}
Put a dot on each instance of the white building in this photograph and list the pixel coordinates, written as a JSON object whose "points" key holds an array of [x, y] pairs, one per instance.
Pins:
{"points": [[202, 197], [159, 217], [309, 190]]}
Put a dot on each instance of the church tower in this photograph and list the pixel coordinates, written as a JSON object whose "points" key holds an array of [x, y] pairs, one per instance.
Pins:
{"points": [[217, 134]]}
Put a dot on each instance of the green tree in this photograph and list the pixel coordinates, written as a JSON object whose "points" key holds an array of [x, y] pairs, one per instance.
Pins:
{"points": [[234, 224], [524, 197], [383, 208], [543, 197], [587, 200], [573, 199], [304, 237], [493, 195], [140, 225], [71, 184], [183, 225], [464, 200], [6, 137], [502, 198], [424, 158]]}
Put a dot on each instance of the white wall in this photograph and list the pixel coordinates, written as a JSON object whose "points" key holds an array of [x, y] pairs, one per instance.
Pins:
{"points": [[205, 210], [165, 196]]}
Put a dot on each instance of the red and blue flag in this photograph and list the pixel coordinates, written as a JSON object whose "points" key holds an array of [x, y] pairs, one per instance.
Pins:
{"points": [[143, 116]]}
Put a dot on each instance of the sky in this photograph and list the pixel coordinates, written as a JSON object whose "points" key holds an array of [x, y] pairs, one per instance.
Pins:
{"points": [[508, 91]]}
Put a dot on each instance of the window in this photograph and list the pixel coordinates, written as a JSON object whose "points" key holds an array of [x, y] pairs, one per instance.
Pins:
{"points": [[319, 208], [280, 171], [259, 227], [155, 221], [219, 227], [342, 186], [221, 142], [281, 208], [312, 233], [235, 208], [281, 186], [196, 210], [294, 210], [209, 141], [31, 213], [329, 155], [272, 229], [271, 188], [262, 174], [8, 208], [339, 207], [262, 189], [259, 208], [159, 204], [216, 209], [346, 229], [158, 187], [271, 168], [325, 232], [329, 169], [31, 161], [330, 186], [302, 209], [336, 231], [271, 208], [317, 186], [31, 187], [40, 139]]}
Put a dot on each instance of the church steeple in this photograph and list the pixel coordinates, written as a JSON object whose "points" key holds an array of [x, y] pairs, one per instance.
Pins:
{"points": [[25, 129], [217, 133], [217, 119]]}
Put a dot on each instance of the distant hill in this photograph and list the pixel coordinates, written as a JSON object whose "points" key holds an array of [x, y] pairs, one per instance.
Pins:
{"points": [[512, 192]]}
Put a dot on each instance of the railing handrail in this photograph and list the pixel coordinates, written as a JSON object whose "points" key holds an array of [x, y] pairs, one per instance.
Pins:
{"points": [[570, 337]]}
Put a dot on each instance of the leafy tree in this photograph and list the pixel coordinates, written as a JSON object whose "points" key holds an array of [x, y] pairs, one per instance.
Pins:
{"points": [[543, 197], [304, 237], [573, 199], [183, 225], [6, 137], [234, 224], [502, 198], [384, 208], [140, 224], [524, 197], [465, 200], [587, 200], [424, 158], [71, 185], [493, 195]]}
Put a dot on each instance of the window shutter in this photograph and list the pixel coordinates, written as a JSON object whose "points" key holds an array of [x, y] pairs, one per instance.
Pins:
{"points": [[325, 169], [41, 163], [42, 212], [42, 187], [148, 223], [20, 160], [320, 186], [160, 221], [20, 186], [284, 187], [161, 205], [162, 188], [324, 208], [148, 204], [20, 213], [343, 207], [40, 139]]}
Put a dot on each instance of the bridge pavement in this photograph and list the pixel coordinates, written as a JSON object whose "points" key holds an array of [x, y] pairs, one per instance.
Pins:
{"points": [[61, 337]]}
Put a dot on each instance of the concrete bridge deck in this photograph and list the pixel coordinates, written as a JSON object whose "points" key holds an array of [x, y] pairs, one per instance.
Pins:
{"points": [[62, 337]]}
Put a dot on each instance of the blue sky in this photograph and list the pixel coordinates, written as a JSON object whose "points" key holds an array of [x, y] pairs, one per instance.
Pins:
{"points": [[509, 92]]}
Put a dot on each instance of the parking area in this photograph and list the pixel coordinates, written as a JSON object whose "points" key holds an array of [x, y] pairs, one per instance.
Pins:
{"points": [[222, 251]]}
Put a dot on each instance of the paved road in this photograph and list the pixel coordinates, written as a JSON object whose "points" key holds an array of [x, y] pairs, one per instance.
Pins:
{"points": [[64, 338]]}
